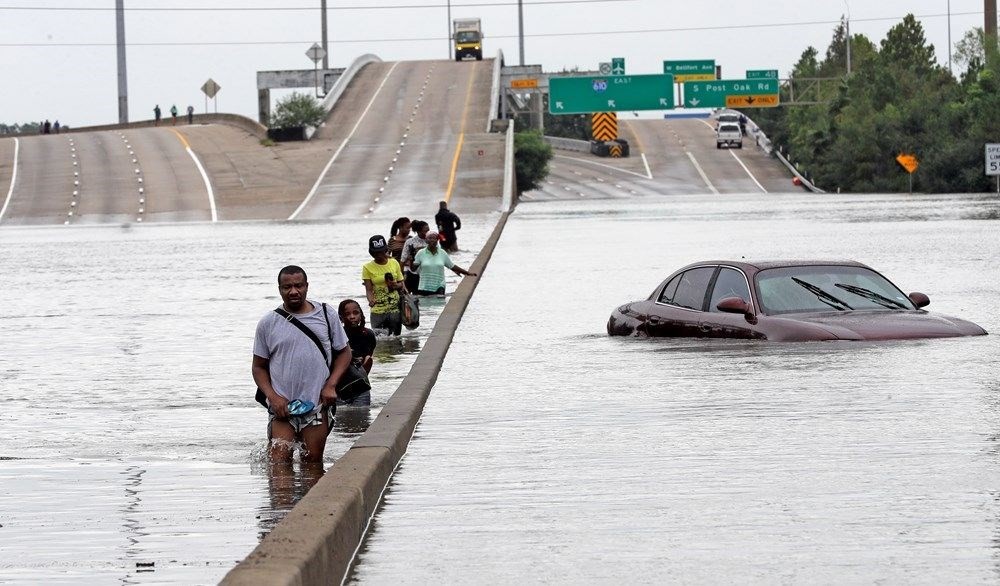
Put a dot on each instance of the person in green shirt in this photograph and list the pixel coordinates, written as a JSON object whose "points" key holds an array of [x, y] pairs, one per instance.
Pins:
{"points": [[383, 279], [432, 262]]}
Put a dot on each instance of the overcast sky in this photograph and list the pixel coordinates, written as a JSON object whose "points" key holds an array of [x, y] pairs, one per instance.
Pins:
{"points": [[61, 64]]}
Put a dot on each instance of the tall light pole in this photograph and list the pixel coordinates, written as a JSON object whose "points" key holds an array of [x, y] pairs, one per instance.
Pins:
{"points": [[326, 47], [949, 37], [449, 29], [122, 82], [520, 29], [848, 31]]}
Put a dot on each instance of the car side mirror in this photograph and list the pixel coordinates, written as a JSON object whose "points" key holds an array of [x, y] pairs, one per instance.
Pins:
{"points": [[737, 305], [919, 299]]}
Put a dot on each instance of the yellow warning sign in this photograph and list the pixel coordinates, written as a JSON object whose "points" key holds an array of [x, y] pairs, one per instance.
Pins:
{"points": [[615, 151], [682, 77], [761, 101], [524, 83], [909, 162], [604, 126]]}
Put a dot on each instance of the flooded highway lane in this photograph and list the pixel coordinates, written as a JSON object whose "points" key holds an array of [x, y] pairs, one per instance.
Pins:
{"points": [[133, 450], [584, 458]]}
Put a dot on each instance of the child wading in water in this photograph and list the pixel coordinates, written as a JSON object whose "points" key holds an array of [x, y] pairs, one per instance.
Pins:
{"points": [[362, 341]]}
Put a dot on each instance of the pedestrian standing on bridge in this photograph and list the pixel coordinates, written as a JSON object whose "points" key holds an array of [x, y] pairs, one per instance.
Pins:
{"points": [[55, 127], [383, 280], [47, 127], [190, 114], [297, 362], [173, 113], [156, 115], [448, 223], [413, 245]]}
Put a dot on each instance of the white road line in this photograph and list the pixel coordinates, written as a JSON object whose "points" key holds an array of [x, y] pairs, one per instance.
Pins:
{"points": [[649, 174], [748, 171], [208, 185], [13, 179], [600, 165], [701, 172], [319, 179]]}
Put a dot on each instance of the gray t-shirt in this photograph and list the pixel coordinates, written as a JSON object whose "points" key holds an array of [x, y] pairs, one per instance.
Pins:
{"points": [[297, 368]]}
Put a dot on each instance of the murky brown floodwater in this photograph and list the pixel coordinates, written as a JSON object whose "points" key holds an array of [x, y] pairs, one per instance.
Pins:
{"points": [[579, 458], [133, 451]]}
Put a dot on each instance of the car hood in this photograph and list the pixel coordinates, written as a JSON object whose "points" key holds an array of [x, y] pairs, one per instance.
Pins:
{"points": [[889, 324]]}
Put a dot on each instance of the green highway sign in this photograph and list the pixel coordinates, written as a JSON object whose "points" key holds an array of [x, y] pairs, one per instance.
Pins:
{"points": [[698, 70], [762, 74], [712, 94], [612, 93], [617, 66]]}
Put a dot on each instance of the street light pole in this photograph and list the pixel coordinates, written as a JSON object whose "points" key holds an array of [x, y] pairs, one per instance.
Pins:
{"points": [[848, 37], [949, 37], [448, 24], [520, 28], [326, 48], [122, 82]]}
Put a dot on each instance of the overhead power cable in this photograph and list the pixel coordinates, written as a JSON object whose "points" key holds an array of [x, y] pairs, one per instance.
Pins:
{"points": [[511, 36], [294, 8]]}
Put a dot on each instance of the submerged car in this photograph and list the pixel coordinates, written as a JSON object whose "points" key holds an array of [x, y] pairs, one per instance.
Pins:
{"points": [[784, 301]]}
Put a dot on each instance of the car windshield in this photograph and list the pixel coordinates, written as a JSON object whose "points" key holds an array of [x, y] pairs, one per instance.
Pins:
{"points": [[826, 288], [728, 118], [467, 37]]}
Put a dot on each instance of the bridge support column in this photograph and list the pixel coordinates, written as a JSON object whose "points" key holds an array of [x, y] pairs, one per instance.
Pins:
{"points": [[264, 106]]}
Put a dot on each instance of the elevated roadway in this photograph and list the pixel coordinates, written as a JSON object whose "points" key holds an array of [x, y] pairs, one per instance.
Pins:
{"points": [[668, 157]]}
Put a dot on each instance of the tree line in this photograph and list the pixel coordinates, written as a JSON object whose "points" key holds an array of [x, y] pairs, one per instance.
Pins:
{"points": [[896, 99]]}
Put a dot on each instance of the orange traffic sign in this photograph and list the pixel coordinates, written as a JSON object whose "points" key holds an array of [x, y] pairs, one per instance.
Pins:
{"points": [[524, 83], [761, 101], [909, 162]]}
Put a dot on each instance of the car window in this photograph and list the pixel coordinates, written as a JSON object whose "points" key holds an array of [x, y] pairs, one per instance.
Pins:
{"points": [[668, 291], [729, 128], [787, 289], [692, 288], [730, 283]]}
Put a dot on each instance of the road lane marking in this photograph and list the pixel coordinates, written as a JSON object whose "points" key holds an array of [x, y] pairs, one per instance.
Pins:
{"points": [[748, 171], [204, 175], [642, 149], [13, 179], [319, 179], [600, 165], [461, 138], [701, 172]]}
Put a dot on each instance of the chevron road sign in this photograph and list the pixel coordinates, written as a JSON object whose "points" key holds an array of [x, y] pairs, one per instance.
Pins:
{"points": [[604, 126]]}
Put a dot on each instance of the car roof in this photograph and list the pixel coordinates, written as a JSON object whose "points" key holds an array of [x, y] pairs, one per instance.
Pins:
{"points": [[760, 265]]}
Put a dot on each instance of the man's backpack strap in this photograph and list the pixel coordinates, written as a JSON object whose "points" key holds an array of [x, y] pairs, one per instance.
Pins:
{"points": [[305, 329]]}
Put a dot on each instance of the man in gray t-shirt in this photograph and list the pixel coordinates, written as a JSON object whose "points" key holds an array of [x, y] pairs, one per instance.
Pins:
{"points": [[288, 366]]}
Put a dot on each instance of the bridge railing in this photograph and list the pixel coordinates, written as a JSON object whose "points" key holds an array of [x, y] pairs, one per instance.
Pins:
{"points": [[495, 90]]}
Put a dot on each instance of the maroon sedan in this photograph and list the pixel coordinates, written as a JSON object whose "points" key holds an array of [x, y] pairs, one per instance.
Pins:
{"points": [[785, 301]]}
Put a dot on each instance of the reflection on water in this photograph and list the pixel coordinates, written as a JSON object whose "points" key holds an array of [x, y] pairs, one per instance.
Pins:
{"points": [[287, 482], [133, 450], [581, 458]]}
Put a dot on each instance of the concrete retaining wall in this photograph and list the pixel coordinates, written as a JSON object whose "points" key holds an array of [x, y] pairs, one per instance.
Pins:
{"points": [[316, 542], [568, 144], [241, 122]]}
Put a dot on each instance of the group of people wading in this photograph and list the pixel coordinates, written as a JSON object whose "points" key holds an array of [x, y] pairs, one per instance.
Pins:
{"points": [[301, 351]]}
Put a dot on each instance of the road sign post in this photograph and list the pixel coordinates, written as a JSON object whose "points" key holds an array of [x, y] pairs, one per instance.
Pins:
{"points": [[618, 66], [210, 88], [910, 163], [615, 93], [731, 93], [993, 162], [316, 53]]}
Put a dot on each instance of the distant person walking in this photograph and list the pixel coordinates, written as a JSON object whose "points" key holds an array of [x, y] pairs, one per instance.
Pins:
{"points": [[383, 280], [156, 115], [190, 114], [47, 127], [362, 341], [55, 127], [432, 261], [398, 235], [173, 113], [413, 244], [448, 223], [296, 370]]}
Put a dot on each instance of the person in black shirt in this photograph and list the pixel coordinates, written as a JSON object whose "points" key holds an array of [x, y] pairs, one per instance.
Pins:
{"points": [[362, 342], [448, 223]]}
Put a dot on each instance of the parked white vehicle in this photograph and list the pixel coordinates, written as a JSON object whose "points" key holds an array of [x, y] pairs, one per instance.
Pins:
{"points": [[728, 134]]}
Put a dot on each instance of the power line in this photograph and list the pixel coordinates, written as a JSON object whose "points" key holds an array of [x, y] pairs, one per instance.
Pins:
{"points": [[512, 36], [294, 8]]}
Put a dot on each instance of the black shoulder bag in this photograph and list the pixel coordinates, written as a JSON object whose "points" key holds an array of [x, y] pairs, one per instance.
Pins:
{"points": [[351, 384]]}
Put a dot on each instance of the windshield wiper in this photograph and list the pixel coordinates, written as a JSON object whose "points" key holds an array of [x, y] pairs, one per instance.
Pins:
{"points": [[872, 296], [822, 295]]}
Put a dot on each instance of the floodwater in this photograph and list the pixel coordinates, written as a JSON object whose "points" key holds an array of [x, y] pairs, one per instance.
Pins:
{"points": [[580, 458], [132, 449]]}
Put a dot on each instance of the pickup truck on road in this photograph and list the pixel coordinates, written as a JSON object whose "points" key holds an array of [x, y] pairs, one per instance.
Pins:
{"points": [[728, 134]]}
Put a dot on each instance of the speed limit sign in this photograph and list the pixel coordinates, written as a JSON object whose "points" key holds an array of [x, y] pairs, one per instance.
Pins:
{"points": [[993, 159]]}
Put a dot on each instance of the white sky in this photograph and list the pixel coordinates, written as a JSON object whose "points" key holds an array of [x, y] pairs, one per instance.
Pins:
{"points": [[78, 84]]}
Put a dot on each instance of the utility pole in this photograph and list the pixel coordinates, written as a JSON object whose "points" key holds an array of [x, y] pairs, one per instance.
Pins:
{"points": [[449, 29], [990, 27], [949, 38], [326, 47], [520, 28], [848, 45], [122, 82]]}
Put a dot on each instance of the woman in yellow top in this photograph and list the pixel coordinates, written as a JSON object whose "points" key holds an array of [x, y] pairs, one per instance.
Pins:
{"points": [[383, 279]]}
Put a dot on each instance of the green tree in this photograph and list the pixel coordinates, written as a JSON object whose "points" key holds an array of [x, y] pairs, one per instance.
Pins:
{"points": [[297, 110], [531, 160]]}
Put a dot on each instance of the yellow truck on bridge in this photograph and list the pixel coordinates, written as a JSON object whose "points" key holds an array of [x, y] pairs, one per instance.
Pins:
{"points": [[468, 36]]}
